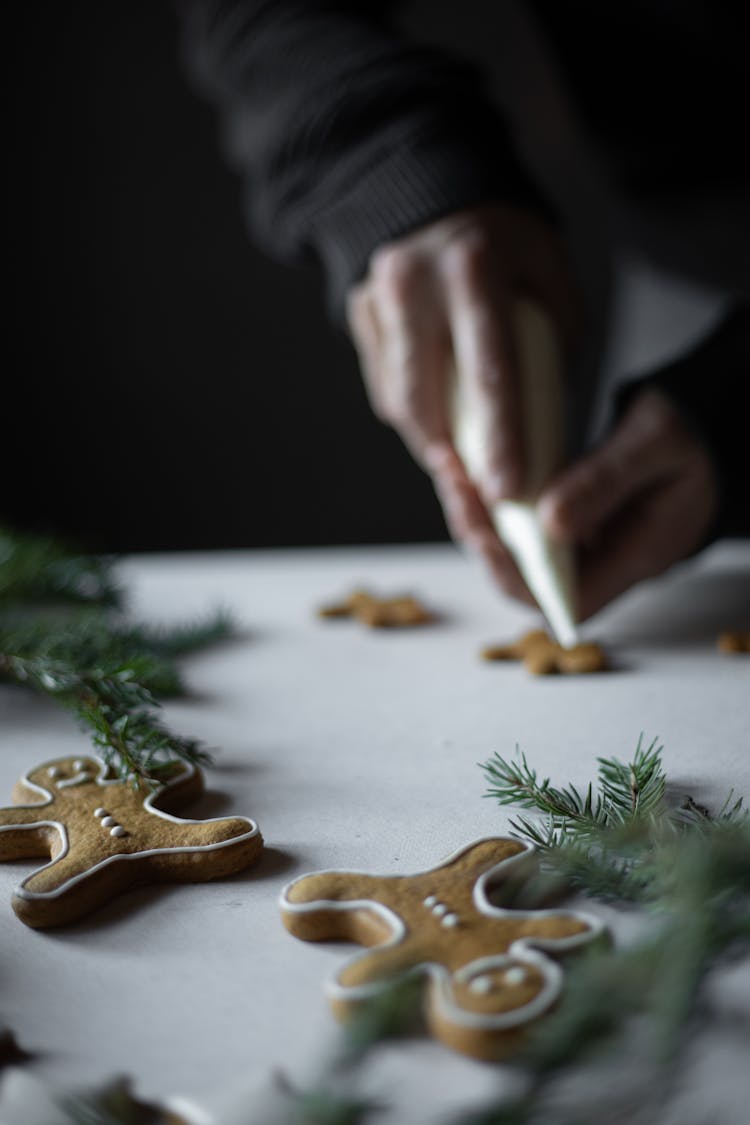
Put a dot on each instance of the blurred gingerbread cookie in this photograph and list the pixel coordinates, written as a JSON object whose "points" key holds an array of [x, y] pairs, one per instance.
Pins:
{"points": [[543, 657], [736, 640], [379, 613]]}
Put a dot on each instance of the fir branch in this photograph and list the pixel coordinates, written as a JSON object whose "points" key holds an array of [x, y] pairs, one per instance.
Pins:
{"points": [[44, 570], [393, 1013], [628, 1014], [81, 652], [603, 842], [112, 1104]]}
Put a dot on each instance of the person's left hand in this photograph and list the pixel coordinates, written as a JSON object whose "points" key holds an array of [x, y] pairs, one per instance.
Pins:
{"points": [[645, 499]]}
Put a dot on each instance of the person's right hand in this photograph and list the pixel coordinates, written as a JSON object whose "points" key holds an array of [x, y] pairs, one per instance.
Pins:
{"points": [[436, 305]]}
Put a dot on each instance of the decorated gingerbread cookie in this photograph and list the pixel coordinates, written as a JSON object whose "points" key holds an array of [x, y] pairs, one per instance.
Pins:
{"points": [[542, 656], [104, 835], [380, 613], [488, 971]]}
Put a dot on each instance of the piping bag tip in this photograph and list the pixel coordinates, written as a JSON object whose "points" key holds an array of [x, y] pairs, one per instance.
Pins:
{"points": [[546, 566]]}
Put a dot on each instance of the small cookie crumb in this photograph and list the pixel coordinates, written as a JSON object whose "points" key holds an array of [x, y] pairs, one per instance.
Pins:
{"points": [[544, 657], [734, 641], [379, 613]]}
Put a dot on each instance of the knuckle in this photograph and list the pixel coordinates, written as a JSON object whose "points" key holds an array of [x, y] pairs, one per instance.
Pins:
{"points": [[466, 258], [396, 273], [402, 403]]}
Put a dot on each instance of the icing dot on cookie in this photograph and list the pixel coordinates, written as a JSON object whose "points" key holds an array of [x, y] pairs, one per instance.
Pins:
{"points": [[118, 830], [439, 909], [450, 920], [108, 821], [99, 813], [53, 772], [514, 976], [78, 764], [430, 901], [481, 985]]}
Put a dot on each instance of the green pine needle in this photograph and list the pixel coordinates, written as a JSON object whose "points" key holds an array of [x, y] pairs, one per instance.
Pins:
{"points": [[64, 635]]}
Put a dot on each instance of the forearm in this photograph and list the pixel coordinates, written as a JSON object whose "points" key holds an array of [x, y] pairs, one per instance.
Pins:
{"points": [[346, 134]]}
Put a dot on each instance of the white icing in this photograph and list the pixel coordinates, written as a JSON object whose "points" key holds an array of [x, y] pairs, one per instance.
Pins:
{"points": [[439, 909], [103, 781], [53, 772], [520, 950], [78, 764], [430, 901], [76, 779], [481, 985], [514, 976], [100, 812], [449, 921], [108, 821], [118, 830]]}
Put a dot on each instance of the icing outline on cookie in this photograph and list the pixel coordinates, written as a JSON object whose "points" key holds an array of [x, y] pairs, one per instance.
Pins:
{"points": [[82, 776], [530, 950]]}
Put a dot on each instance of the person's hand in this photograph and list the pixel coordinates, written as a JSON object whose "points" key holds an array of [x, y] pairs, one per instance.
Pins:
{"points": [[645, 499], [436, 306]]}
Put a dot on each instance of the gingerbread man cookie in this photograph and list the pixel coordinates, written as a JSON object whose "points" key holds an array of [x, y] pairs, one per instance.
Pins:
{"points": [[104, 835], [737, 640], [380, 613], [542, 656], [487, 970]]}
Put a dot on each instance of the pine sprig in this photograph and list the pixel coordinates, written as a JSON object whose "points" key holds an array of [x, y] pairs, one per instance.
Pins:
{"points": [[42, 569], [64, 635], [603, 842], [619, 1038], [625, 792]]}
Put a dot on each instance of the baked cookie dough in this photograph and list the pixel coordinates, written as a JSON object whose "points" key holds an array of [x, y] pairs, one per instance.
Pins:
{"points": [[104, 835], [543, 657], [488, 972], [734, 641], [380, 613]]}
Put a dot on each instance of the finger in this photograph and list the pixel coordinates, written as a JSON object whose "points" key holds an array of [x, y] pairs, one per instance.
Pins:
{"points": [[478, 308], [366, 337], [648, 446], [470, 524], [414, 352]]}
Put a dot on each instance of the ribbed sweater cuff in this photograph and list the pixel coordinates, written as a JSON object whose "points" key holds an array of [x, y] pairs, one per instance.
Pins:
{"points": [[402, 190]]}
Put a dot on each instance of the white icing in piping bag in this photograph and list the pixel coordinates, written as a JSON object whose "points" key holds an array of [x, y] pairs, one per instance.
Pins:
{"points": [[547, 567]]}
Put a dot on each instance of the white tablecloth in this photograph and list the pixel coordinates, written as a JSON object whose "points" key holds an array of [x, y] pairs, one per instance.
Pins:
{"points": [[353, 749]]}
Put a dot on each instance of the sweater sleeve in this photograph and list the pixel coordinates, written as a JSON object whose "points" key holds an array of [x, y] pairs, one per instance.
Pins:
{"points": [[709, 386], [346, 134]]}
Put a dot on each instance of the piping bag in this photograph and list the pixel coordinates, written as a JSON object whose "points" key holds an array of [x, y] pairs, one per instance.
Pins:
{"points": [[546, 566]]}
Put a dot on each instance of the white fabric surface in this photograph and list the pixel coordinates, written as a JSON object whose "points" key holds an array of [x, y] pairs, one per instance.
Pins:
{"points": [[354, 749]]}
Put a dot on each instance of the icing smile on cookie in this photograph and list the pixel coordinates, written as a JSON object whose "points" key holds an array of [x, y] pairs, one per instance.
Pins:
{"points": [[104, 835]]}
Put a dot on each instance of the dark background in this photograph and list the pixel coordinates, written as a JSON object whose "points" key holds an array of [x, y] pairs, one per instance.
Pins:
{"points": [[168, 386]]}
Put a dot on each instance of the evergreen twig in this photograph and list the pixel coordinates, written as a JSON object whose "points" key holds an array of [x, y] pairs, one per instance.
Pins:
{"points": [[63, 634]]}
